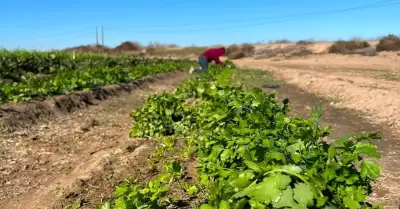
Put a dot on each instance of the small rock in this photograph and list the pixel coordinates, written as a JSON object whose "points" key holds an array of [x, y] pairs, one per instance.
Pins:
{"points": [[35, 138], [85, 129], [95, 122], [130, 146]]}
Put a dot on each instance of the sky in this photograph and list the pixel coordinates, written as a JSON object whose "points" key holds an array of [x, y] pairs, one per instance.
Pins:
{"points": [[56, 24]]}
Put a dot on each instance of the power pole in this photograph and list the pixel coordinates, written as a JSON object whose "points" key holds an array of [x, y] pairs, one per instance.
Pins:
{"points": [[97, 37], [102, 37]]}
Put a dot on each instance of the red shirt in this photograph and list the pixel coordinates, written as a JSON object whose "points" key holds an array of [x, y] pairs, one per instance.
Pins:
{"points": [[213, 54]]}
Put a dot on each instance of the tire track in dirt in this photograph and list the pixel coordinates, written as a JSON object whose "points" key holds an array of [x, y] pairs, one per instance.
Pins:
{"points": [[43, 165]]}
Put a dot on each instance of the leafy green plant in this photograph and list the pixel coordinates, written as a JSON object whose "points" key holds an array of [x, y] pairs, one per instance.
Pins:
{"points": [[65, 82], [251, 153], [191, 189]]}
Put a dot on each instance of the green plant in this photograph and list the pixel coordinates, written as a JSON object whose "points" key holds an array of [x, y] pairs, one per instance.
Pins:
{"points": [[251, 153], [31, 86]]}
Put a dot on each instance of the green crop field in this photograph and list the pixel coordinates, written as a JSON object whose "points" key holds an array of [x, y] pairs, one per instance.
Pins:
{"points": [[249, 152], [217, 144]]}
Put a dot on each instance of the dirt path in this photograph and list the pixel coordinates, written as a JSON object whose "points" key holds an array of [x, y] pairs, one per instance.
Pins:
{"points": [[90, 148]]}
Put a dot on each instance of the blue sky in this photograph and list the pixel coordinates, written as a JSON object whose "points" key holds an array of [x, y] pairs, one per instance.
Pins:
{"points": [[45, 24]]}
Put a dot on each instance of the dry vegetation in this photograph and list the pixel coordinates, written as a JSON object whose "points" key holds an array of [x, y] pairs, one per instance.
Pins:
{"points": [[304, 42], [239, 51], [345, 47], [389, 43], [286, 48]]}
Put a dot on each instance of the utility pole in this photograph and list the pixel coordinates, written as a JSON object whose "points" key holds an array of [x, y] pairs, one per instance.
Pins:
{"points": [[97, 37], [102, 37]]}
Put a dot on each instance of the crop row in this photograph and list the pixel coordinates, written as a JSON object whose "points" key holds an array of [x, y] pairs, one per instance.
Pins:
{"points": [[31, 86], [16, 63], [250, 152]]}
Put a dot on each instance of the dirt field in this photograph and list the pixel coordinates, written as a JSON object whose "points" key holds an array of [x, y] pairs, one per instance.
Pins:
{"points": [[55, 160]]}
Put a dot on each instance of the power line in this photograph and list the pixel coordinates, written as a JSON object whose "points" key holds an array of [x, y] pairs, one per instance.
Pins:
{"points": [[383, 3]]}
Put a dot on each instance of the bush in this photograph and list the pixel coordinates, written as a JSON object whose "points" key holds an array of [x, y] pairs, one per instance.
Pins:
{"points": [[389, 43], [304, 42], [248, 48], [236, 55], [232, 49], [344, 47], [239, 51]]}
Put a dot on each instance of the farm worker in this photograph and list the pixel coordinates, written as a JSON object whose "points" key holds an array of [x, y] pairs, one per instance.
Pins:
{"points": [[208, 56]]}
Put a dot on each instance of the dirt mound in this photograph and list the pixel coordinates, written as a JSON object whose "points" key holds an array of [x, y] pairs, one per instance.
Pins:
{"points": [[88, 49], [16, 116], [128, 46]]}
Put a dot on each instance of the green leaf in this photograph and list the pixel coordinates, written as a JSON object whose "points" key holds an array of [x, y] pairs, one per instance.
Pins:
{"points": [[285, 200], [226, 154], [193, 190], [254, 166], [240, 204], [206, 206], [224, 205], [282, 180], [352, 204], [370, 169], [266, 191], [106, 205], [331, 152], [292, 169], [303, 195], [368, 149]]}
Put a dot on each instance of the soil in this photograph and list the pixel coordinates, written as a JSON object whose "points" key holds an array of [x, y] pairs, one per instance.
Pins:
{"points": [[19, 116], [52, 160]]}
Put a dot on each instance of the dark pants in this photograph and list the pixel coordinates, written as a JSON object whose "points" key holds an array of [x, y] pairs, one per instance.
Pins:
{"points": [[203, 62]]}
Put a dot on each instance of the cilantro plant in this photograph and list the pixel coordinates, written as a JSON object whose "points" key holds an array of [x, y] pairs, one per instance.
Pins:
{"points": [[252, 154]]}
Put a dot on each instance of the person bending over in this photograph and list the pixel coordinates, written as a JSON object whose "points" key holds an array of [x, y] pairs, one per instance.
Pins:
{"points": [[208, 56]]}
